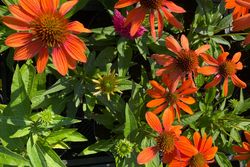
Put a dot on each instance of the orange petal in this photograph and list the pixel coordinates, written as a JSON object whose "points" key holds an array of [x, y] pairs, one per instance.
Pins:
{"points": [[241, 23], [222, 57], [178, 163], [125, 3], [71, 62], [196, 138], [172, 44], [247, 39], [247, 135], [168, 118], [31, 6], [246, 146], [173, 7], [236, 57], [157, 86], [77, 27], [15, 24], [42, 60], [242, 157], [189, 91], [209, 59], [67, 6], [27, 51], [184, 42], [209, 154], [185, 85], [244, 3], [168, 157], [185, 147], [47, 6], [155, 102], [18, 39], [154, 93], [160, 108], [75, 48], [163, 59], [135, 17], [239, 66], [187, 100], [160, 24], [171, 19], [154, 122], [55, 3], [208, 144], [202, 49], [214, 82], [208, 70], [146, 155], [237, 82], [239, 149], [248, 164], [152, 24], [20, 14], [185, 107], [225, 86], [60, 61]]}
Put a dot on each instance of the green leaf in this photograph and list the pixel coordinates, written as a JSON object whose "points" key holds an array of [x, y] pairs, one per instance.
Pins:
{"points": [[222, 160], [28, 73], [130, 121], [100, 146], [77, 7], [7, 157], [237, 37], [106, 56], [21, 132], [234, 135], [142, 46], [187, 119], [220, 40], [210, 95]]}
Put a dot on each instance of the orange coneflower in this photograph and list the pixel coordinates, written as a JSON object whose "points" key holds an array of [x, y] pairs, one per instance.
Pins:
{"points": [[223, 68], [238, 10], [137, 15], [244, 151], [172, 99], [200, 155], [167, 138], [184, 64], [242, 23], [43, 28]]}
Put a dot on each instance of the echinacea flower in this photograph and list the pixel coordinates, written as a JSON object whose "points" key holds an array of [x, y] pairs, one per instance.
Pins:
{"points": [[124, 148], [107, 84], [222, 68], [153, 7], [243, 22], [172, 99], [44, 30], [201, 154], [243, 153], [184, 64], [119, 25], [166, 140], [238, 10]]}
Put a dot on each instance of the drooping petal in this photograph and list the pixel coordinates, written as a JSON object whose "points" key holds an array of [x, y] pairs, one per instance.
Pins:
{"points": [[171, 19], [125, 3], [147, 155], [173, 7], [155, 102], [67, 6], [77, 27], [184, 42], [242, 157], [239, 149], [160, 24], [15, 24], [71, 62], [20, 14], [209, 154], [214, 82], [187, 100], [172, 44], [31, 6], [27, 51], [209, 59], [202, 49], [184, 107], [18, 39], [60, 61], [236, 57], [208, 70], [241, 23], [154, 122], [168, 118], [135, 17], [42, 60], [152, 24], [237, 82], [247, 135], [225, 86], [185, 147], [75, 48]]}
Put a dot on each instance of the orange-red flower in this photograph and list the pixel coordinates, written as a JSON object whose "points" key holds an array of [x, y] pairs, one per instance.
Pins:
{"points": [[153, 7], [244, 151], [198, 156], [166, 140], [43, 28], [172, 99], [184, 64], [238, 10], [223, 68], [243, 22]]}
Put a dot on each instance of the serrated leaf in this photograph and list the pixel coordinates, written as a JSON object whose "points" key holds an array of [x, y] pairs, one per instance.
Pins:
{"points": [[222, 160]]}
